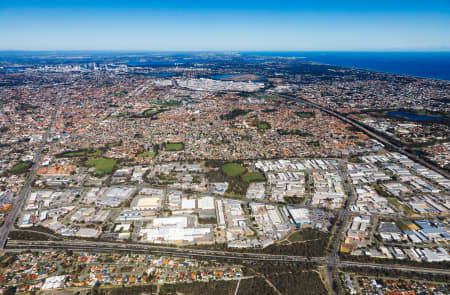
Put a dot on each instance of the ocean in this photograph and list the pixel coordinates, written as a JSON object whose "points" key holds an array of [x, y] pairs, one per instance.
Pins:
{"points": [[435, 65]]}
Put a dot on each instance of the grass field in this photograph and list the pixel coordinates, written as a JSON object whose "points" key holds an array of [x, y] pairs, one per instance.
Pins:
{"points": [[102, 165], [96, 153], [147, 155], [262, 125], [79, 153], [219, 171], [305, 114], [249, 177], [170, 103], [233, 169], [297, 237], [21, 167], [150, 112], [117, 93], [119, 115], [174, 146]]}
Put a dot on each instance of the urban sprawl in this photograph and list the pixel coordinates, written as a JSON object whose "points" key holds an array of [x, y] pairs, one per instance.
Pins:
{"points": [[221, 174]]}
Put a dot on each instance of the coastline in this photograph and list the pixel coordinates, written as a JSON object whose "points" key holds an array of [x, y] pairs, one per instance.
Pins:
{"points": [[423, 65]]}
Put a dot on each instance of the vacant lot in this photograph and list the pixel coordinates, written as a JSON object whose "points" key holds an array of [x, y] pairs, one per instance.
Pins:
{"points": [[403, 226], [399, 205]]}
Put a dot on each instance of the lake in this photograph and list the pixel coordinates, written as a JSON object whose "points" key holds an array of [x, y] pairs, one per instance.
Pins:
{"points": [[163, 74], [414, 117]]}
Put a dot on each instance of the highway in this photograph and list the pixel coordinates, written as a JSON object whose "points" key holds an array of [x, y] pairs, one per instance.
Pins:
{"points": [[21, 196], [144, 248], [363, 128], [331, 261], [172, 252], [333, 258], [89, 246]]}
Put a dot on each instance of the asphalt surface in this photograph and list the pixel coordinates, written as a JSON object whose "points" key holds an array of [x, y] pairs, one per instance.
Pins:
{"points": [[21, 196], [331, 261], [206, 254], [384, 140], [333, 257], [100, 246]]}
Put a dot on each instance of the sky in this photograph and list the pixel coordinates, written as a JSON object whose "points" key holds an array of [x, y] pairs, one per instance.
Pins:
{"points": [[229, 25]]}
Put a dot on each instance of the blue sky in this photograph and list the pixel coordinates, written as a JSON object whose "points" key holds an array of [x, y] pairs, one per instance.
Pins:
{"points": [[225, 25]]}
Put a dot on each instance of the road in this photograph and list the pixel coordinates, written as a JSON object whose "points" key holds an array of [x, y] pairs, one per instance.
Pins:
{"points": [[343, 218], [237, 287], [333, 257], [89, 246], [384, 140], [144, 248], [331, 261], [21, 196]]}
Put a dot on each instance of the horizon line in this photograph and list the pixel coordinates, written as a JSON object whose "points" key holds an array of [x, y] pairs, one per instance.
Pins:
{"points": [[447, 50]]}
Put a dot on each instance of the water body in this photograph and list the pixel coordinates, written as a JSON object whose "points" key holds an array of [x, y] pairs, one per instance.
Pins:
{"points": [[415, 117], [163, 74], [222, 77], [434, 65], [151, 64], [164, 63]]}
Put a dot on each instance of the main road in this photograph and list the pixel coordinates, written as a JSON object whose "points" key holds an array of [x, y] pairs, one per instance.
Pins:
{"points": [[384, 140], [333, 258], [341, 225], [91, 246], [145, 248], [330, 261], [21, 196]]}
